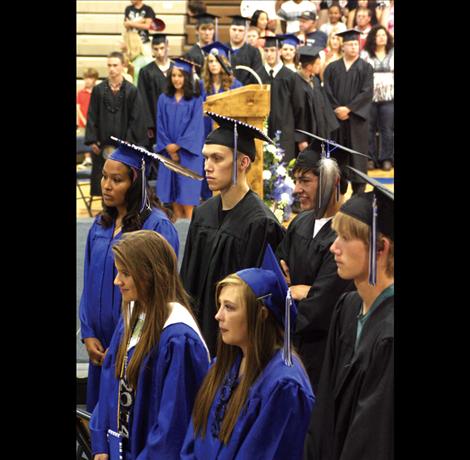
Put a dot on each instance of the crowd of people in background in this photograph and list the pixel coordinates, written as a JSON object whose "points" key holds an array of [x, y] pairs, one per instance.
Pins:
{"points": [[300, 321]]}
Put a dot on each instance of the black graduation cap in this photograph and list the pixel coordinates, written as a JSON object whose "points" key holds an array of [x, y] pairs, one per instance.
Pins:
{"points": [[236, 135], [238, 20], [348, 35], [308, 53], [376, 210], [272, 41], [308, 16], [205, 18], [158, 38]]}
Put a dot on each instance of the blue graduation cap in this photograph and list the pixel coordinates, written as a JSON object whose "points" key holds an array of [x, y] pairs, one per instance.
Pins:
{"points": [[184, 64], [221, 49], [134, 159], [269, 285], [376, 210], [289, 39]]}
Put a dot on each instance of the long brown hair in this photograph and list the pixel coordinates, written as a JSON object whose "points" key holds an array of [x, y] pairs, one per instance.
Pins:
{"points": [[152, 263], [265, 338], [226, 80]]}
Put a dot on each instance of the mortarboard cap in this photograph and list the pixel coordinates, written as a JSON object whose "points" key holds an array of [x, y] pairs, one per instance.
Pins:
{"points": [[269, 285], [308, 16], [348, 35], [308, 53], [205, 18], [184, 64], [158, 38], [289, 39], [238, 20], [222, 49], [374, 209], [236, 135], [272, 41], [157, 25]]}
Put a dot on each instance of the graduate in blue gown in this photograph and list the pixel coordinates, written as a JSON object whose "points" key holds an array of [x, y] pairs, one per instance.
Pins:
{"points": [[256, 400], [156, 361], [180, 136], [215, 79], [125, 208]]}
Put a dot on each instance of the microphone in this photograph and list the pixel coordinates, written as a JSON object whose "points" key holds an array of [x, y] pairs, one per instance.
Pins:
{"points": [[215, 52]]}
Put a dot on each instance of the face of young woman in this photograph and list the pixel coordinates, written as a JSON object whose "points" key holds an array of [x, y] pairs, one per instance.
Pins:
{"points": [[126, 284], [288, 53], [262, 21], [335, 43], [381, 38], [177, 78], [334, 15], [231, 317], [115, 182], [214, 67], [351, 257]]}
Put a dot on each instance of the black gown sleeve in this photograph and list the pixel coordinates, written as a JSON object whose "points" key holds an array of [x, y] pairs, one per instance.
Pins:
{"points": [[91, 130]]}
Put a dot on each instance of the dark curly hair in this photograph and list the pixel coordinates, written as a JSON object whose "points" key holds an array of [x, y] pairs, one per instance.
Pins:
{"points": [[371, 47], [190, 89]]}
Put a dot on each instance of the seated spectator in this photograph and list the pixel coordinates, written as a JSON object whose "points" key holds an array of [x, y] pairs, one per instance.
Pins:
{"points": [[260, 19], [196, 7], [138, 17], [252, 36], [352, 20], [309, 33], [332, 53], [334, 23], [83, 102], [387, 16], [291, 11], [363, 20]]}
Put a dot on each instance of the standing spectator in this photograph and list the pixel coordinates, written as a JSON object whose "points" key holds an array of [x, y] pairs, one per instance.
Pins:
{"points": [[289, 43], [351, 21], [116, 109], [156, 361], [333, 52], [152, 80], [138, 17], [363, 19], [387, 18], [126, 207], [291, 11], [312, 109], [83, 102], [230, 230], [354, 414], [309, 34], [379, 53], [205, 30], [196, 7], [180, 136], [242, 53], [282, 80], [349, 85], [334, 23]]}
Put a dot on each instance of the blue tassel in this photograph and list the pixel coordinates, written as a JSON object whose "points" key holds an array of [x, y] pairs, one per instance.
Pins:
{"points": [[287, 350], [235, 142], [373, 246]]}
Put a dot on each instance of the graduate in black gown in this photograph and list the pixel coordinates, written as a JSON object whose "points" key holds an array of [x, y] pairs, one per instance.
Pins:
{"points": [[206, 29], [152, 80], [306, 259], [116, 109], [229, 231], [349, 84], [354, 415], [241, 52], [312, 109], [281, 79]]}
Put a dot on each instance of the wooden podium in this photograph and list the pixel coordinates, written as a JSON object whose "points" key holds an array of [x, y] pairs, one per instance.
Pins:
{"points": [[250, 104]]}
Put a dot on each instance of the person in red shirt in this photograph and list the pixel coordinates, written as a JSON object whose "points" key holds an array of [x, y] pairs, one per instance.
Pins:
{"points": [[83, 101]]}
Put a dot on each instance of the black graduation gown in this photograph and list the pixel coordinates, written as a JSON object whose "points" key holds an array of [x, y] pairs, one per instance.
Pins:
{"points": [[248, 56], [312, 110], [310, 262], [121, 115], [216, 248], [151, 83], [353, 89], [281, 115], [353, 416], [196, 55]]}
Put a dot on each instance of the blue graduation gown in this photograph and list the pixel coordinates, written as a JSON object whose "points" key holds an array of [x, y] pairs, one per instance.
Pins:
{"points": [[272, 425], [180, 123], [169, 379], [206, 193], [100, 304]]}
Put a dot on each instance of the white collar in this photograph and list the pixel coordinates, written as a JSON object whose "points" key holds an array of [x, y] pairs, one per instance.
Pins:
{"points": [[318, 224], [276, 68]]}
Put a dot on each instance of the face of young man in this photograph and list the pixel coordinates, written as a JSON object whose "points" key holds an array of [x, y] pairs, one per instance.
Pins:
{"points": [[306, 185], [206, 33], [252, 38], [89, 82], [271, 55], [159, 51], [237, 34], [218, 161], [351, 257], [351, 49], [115, 67]]}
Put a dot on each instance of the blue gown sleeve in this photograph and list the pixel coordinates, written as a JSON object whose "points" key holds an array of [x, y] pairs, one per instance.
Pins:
{"points": [[191, 138], [162, 129], [279, 429], [168, 231], [186, 363], [187, 451], [236, 84], [85, 326]]}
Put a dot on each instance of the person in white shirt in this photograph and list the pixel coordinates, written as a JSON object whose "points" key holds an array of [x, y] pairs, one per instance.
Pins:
{"points": [[291, 11]]}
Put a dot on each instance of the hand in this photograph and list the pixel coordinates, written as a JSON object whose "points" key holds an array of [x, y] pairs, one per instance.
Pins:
{"points": [[151, 133], [101, 457], [302, 145], [299, 292], [95, 350], [174, 156], [342, 112], [95, 149], [127, 24], [285, 269]]}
